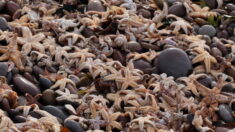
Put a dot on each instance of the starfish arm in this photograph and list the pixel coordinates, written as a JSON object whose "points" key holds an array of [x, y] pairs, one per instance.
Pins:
{"points": [[38, 47], [26, 49], [38, 37], [4, 57], [26, 32], [198, 58]]}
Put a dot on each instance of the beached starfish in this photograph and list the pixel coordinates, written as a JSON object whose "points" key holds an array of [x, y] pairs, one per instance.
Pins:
{"points": [[111, 119], [201, 12], [204, 56], [180, 24], [33, 99], [62, 83], [23, 21], [67, 96], [82, 54], [30, 41], [11, 52], [145, 122], [70, 38]]}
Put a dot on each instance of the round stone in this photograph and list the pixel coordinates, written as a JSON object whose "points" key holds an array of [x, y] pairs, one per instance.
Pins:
{"points": [[73, 126], [178, 9], [24, 86], [230, 7], [207, 30], [206, 81], [3, 69], [44, 82], [12, 7], [142, 64], [225, 113], [174, 62], [211, 3], [49, 97], [134, 46], [95, 5], [55, 112], [3, 24]]}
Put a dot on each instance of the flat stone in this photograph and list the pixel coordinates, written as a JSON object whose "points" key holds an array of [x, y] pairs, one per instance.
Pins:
{"points": [[73, 126], [174, 62], [207, 30], [225, 113]]}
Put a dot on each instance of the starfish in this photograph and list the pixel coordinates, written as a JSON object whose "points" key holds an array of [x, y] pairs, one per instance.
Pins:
{"points": [[144, 122], [62, 83], [11, 52], [205, 57], [33, 100], [83, 54], [70, 38], [180, 24], [201, 12], [111, 119], [67, 96], [23, 21], [30, 41], [149, 56]]}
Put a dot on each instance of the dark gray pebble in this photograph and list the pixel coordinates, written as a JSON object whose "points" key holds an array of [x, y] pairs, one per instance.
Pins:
{"points": [[3, 24], [211, 3], [225, 113], [142, 64], [95, 5], [44, 83], [206, 81], [55, 112], [230, 7], [3, 69], [37, 70], [25, 86], [207, 30], [73, 126], [12, 7], [177, 9], [49, 97], [174, 62]]}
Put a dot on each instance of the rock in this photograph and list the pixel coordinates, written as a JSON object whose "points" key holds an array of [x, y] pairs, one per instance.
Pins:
{"points": [[3, 24], [221, 129], [207, 30], [230, 7], [216, 52], [211, 3], [232, 13], [174, 62], [44, 83], [2, 4], [37, 70], [142, 64], [95, 5], [73, 126], [55, 112], [49, 97], [228, 88], [3, 69], [25, 86], [206, 81], [145, 13], [134, 46], [225, 113], [230, 71], [178, 9], [12, 7]]}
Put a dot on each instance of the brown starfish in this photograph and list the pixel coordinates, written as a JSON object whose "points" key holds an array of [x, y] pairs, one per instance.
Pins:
{"points": [[11, 52], [33, 99]]}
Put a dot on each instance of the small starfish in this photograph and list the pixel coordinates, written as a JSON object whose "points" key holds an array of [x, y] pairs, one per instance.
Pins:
{"points": [[71, 38], [201, 12], [33, 100], [83, 54], [144, 122], [149, 56], [23, 21], [67, 96], [62, 83], [111, 119], [11, 52], [65, 23], [30, 41], [205, 57], [180, 24]]}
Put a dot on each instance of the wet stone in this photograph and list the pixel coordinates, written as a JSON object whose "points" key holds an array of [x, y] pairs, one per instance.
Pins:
{"points": [[178, 9], [49, 97], [44, 82], [3, 69], [25, 86], [174, 62], [142, 64], [95, 5], [12, 7], [211, 3], [206, 81], [207, 30], [3, 24], [225, 113], [73, 126], [55, 112]]}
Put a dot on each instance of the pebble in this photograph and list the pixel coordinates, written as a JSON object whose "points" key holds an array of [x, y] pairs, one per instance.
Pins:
{"points": [[216, 52], [19, 119], [55, 112], [37, 70], [3, 69], [142, 64], [220, 11], [211, 3], [230, 71], [232, 13], [12, 7], [2, 4], [3, 24], [44, 83], [145, 13], [225, 113], [171, 2], [230, 7], [73, 126], [207, 30], [25, 86], [95, 5], [134, 46], [228, 88], [174, 62], [119, 56], [206, 81], [222, 34], [177, 9], [87, 32], [221, 129], [49, 97]]}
